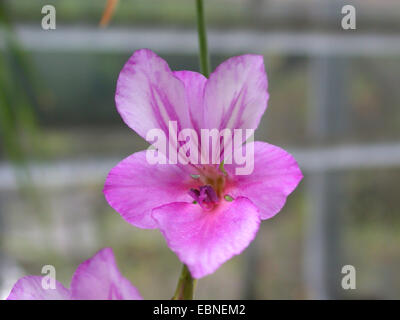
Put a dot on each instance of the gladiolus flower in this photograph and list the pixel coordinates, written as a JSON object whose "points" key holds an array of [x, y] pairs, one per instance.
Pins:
{"points": [[95, 279], [206, 213]]}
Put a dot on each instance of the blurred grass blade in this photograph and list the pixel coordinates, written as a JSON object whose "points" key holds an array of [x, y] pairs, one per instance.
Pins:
{"points": [[108, 12], [19, 132], [18, 99]]}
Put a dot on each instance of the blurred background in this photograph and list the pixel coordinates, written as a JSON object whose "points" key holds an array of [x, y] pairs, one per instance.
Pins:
{"points": [[335, 104]]}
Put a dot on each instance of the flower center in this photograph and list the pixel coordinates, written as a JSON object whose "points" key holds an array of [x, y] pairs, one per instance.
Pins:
{"points": [[210, 175], [205, 196]]}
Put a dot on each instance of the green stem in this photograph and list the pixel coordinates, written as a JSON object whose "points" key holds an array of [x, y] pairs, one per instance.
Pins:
{"points": [[186, 285], [201, 30]]}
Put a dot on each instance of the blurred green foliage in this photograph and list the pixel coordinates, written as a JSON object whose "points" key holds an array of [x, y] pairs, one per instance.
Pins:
{"points": [[18, 126], [146, 12]]}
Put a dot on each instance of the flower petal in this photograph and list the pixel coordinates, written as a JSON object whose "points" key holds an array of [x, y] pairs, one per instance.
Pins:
{"points": [[236, 93], [148, 95], [30, 288], [99, 279], [194, 83], [134, 187], [204, 240], [276, 174]]}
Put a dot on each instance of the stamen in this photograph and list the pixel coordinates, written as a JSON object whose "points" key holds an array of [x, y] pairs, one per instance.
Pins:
{"points": [[205, 196], [194, 193], [227, 197], [222, 169]]}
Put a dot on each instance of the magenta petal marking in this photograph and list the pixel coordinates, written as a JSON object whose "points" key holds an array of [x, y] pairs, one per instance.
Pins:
{"points": [[194, 83], [236, 93], [148, 94]]}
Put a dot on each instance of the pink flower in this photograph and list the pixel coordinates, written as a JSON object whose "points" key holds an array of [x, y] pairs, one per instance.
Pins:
{"points": [[95, 279], [208, 218]]}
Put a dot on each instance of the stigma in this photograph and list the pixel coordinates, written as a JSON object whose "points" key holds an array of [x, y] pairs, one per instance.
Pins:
{"points": [[205, 196]]}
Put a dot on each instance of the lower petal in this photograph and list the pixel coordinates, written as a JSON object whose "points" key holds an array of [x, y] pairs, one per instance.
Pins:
{"points": [[203, 240], [32, 288], [99, 279]]}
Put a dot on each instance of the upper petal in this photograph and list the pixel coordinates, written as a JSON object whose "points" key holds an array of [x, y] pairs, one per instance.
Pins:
{"points": [[134, 187], [99, 279], [148, 95], [194, 83], [236, 93], [276, 174], [203, 240], [31, 288]]}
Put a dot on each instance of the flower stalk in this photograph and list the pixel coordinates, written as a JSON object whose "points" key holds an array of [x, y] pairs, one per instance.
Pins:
{"points": [[202, 34], [186, 285]]}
